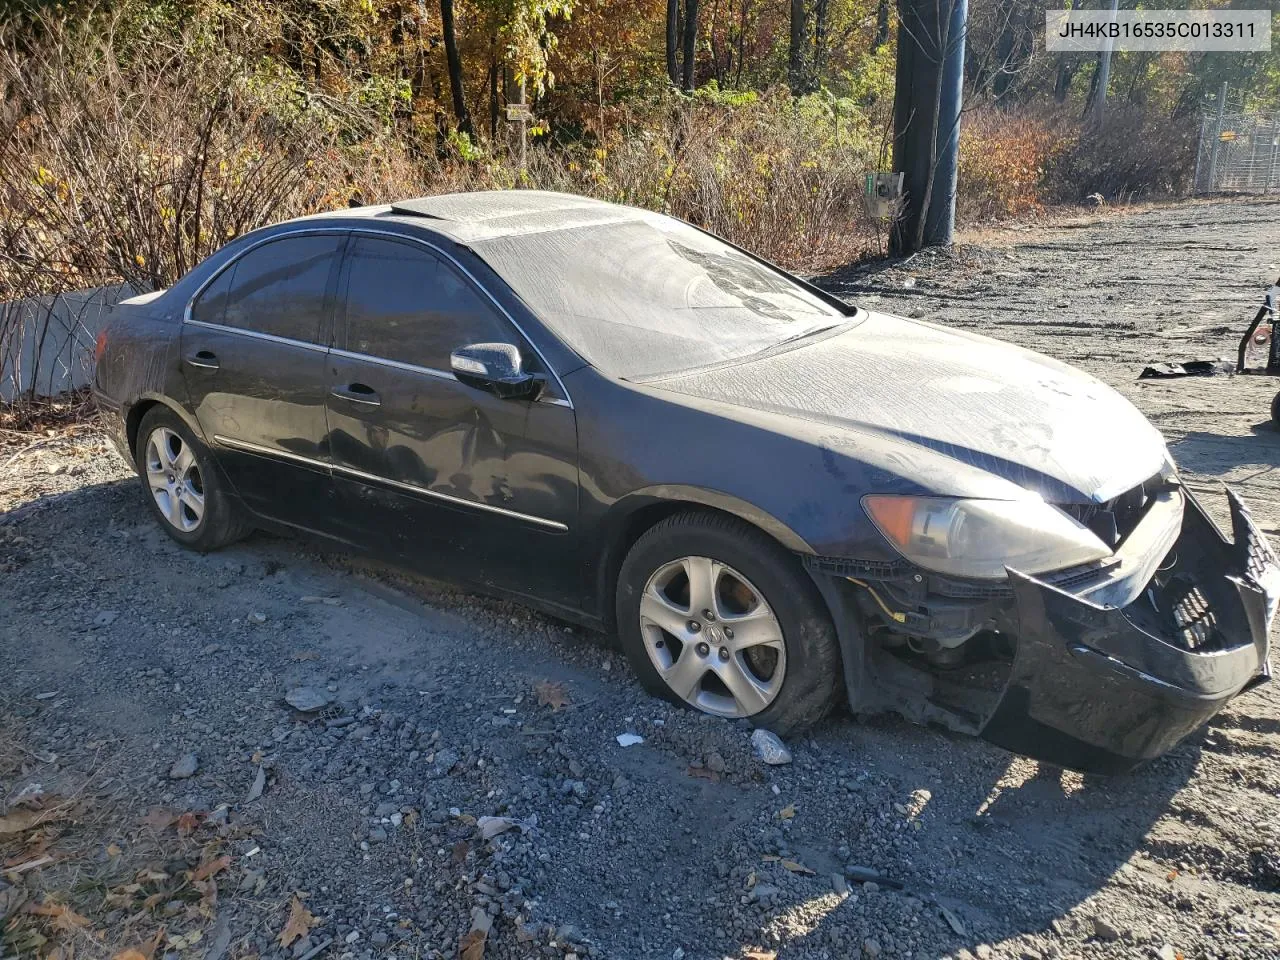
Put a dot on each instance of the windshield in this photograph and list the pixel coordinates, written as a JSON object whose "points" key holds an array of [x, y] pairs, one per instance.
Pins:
{"points": [[647, 297]]}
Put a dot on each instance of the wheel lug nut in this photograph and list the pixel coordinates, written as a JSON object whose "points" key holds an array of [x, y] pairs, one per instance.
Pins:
{"points": [[728, 632], [694, 626], [724, 653], [703, 649], [708, 615]]}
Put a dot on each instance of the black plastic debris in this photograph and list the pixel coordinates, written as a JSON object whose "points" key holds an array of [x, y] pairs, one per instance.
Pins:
{"points": [[1188, 368]]}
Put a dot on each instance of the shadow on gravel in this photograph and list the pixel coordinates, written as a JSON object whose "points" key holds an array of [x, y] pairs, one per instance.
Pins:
{"points": [[77, 497], [1007, 845]]}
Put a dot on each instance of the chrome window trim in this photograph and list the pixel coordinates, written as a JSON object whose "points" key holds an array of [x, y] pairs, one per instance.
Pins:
{"points": [[395, 364], [256, 335], [412, 488], [567, 401], [186, 311]]}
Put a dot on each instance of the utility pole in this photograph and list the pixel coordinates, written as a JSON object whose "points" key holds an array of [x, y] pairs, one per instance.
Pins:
{"points": [[1104, 72], [928, 94]]}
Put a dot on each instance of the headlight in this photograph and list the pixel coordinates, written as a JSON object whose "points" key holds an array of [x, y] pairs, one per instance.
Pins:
{"points": [[979, 538]]}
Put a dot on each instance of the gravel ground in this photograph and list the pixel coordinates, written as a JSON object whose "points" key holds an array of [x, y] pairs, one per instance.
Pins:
{"points": [[163, 795]]}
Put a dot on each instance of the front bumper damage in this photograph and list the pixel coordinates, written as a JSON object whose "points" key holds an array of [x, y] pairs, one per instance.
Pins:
{"points": [[1103, 670]]}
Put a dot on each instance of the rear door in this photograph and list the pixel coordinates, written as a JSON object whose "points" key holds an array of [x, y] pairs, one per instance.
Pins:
{"points": [[253, 348], [457, 480]]}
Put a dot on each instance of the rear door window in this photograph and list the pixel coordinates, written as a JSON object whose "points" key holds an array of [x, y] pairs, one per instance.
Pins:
{"points": [[279, 288], [404, 303]]}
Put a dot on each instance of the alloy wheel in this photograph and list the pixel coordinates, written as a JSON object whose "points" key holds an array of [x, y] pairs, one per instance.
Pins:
{"points": [[173, 475], [712, 637]]}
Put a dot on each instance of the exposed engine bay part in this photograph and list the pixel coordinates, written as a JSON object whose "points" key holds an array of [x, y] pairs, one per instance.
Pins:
{"points": [[1096, 669]]}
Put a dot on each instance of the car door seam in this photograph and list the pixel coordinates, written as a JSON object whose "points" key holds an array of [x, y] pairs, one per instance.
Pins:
{"points": [[360, 474]]}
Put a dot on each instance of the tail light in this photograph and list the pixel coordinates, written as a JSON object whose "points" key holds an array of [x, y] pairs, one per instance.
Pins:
{"points": [[99, 346]]}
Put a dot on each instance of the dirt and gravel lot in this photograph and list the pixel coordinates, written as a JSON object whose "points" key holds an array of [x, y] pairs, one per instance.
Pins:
{"points": [[158, 793]]}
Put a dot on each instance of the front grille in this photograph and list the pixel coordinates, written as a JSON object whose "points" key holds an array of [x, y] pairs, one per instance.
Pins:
{"points": [[1190, 617]]}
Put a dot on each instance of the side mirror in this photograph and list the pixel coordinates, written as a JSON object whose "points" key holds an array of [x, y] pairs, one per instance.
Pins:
{"points": [[497, 369]]}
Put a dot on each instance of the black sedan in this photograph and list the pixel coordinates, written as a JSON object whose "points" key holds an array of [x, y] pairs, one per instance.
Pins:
{"points": [[775, 499]]}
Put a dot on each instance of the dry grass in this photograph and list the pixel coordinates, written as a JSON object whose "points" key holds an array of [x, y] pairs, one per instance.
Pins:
{"points": [[88, 870]]}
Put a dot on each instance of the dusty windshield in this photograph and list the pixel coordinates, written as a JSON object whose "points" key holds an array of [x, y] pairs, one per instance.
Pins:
{"points": [[652, 296]]}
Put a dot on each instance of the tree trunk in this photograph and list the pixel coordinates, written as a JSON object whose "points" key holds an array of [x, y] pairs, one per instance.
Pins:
{"points": [[673, 41], [690, 43], [882, 25], [819, 42], [796, 61], [455, 68], [494, 71]]}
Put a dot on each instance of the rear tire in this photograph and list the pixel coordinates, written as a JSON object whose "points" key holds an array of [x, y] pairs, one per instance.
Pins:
{"points": [[183, 486], [762, 648]]}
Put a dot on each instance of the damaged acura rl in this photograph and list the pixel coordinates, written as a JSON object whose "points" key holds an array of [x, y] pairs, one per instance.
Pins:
{"points": [[774, 498]]}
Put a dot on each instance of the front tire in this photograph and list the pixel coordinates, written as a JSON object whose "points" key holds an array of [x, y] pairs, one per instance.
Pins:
{"points": [[183, 486], [715, 615]]}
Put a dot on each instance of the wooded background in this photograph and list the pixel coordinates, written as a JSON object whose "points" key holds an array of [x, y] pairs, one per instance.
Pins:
{"points": [[138, 136]]}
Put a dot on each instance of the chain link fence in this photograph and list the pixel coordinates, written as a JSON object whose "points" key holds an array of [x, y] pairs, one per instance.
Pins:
{"points": [[1239, 153]]}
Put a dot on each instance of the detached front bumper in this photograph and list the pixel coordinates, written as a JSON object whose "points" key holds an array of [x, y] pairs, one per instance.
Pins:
{"points": [[1100, 688]]}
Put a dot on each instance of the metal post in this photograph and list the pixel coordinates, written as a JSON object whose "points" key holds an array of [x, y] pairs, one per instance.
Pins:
{"points": [[1217, 138], [1275, 154], [524, 133]]}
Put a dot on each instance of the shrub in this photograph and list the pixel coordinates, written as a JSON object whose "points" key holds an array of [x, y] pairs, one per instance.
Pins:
{"points": [[1134, 154], [1003, 158]]}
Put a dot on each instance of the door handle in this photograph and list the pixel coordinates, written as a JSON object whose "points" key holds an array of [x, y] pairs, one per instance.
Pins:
{"points": [[357, 393], [204, 359]]}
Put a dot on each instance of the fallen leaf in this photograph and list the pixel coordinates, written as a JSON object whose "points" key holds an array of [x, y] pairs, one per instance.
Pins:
{"points": [[787, 812], [702, 773], [113, 850], [20, 821], [954, 922], [63, 917], [460, 851], [144, 951], [211, 868], [795, 867], [187, 824], [158, 818], [259, 783], [551, 694], [471, 946], [771, 858], [491, 827], [760, 955], [299, 923]]}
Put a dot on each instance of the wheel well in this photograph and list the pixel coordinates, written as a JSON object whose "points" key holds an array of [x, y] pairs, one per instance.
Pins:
{"points": [[633, 527], [133, 421]]}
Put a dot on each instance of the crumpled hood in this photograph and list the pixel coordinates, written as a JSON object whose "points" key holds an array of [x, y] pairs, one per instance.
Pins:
{"points": [[992, 405]]}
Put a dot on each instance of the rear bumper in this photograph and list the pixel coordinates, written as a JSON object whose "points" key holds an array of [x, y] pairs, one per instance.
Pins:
{"points": [[1100, 689]]}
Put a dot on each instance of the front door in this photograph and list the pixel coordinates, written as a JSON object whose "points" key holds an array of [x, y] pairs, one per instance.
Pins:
{"points": [[461, 482], [253, 351]]}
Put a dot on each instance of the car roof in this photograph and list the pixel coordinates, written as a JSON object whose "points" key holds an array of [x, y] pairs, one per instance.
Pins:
{"points": [[490, 214]]}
